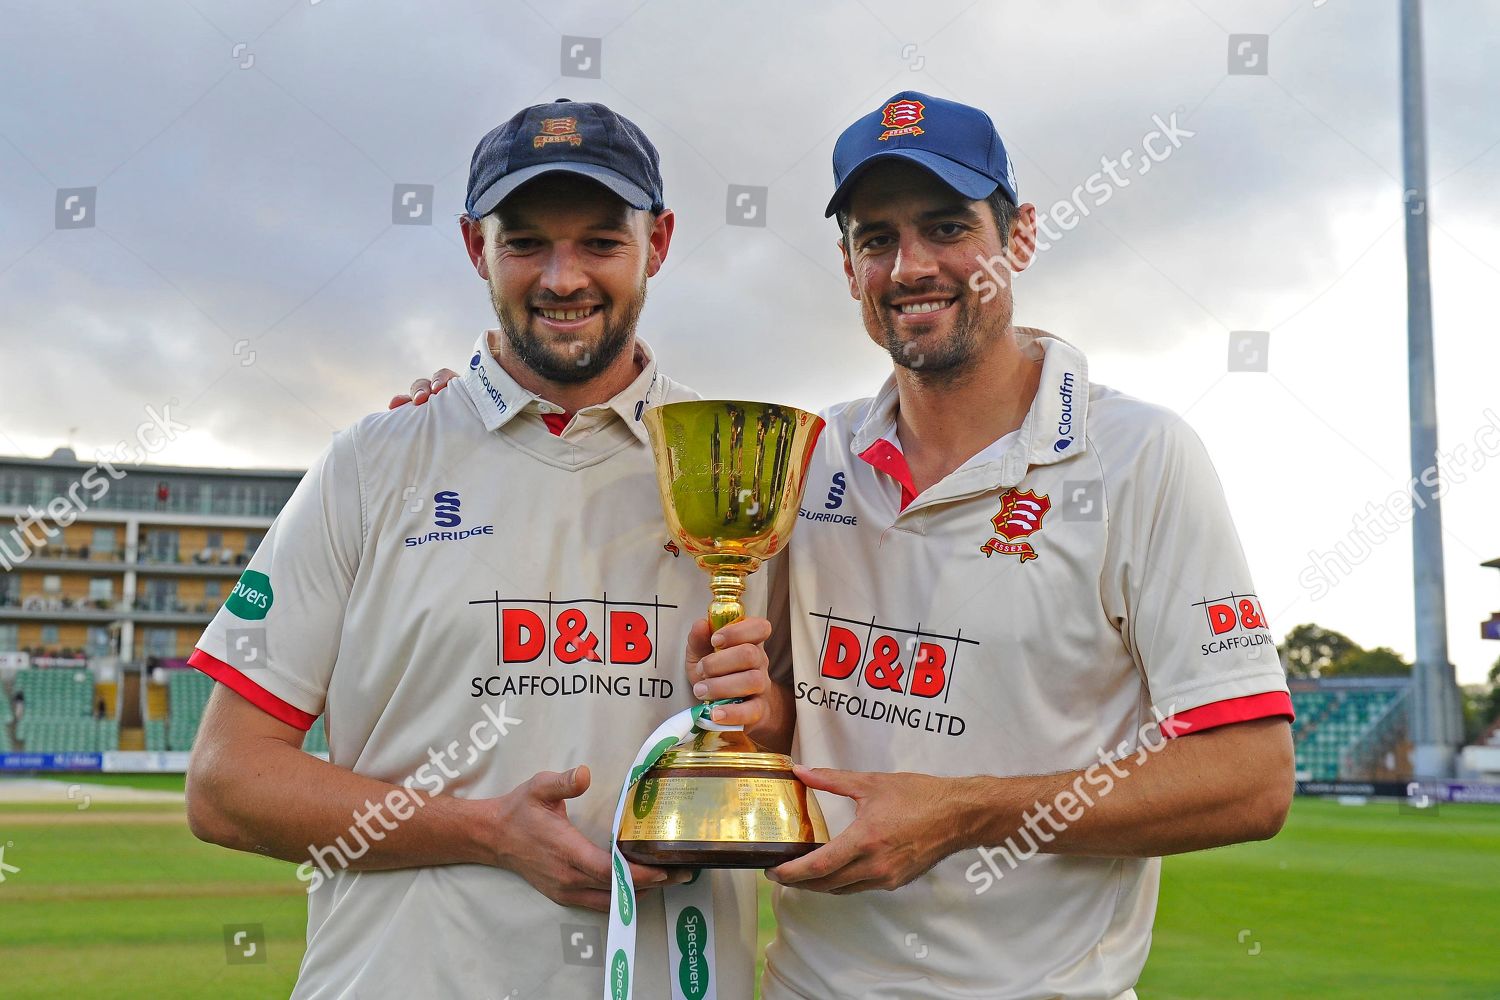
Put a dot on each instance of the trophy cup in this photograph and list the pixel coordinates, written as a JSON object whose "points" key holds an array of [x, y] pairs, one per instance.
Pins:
{"points": [[731, 475]]}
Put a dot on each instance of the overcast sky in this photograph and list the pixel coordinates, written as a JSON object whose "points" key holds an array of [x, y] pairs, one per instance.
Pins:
{"points": [[240, 257]]}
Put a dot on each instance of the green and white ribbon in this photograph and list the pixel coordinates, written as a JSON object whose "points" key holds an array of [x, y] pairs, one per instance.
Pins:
{"points": [[690, 907]]}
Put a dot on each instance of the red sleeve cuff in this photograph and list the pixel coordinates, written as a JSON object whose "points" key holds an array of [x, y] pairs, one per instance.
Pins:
{"points": [[251, 691], [1231, 710]]}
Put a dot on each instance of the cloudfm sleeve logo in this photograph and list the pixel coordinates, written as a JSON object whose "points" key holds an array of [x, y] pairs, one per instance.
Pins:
{"points": [[1020, 515]]}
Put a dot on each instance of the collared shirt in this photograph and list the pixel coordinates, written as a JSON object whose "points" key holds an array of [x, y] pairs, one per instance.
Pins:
{"points": [[501, 399], [443, 569], [1038, 610]]}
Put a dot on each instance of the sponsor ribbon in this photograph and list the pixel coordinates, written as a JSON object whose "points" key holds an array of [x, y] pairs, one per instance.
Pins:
{"points": [[690, 906]]}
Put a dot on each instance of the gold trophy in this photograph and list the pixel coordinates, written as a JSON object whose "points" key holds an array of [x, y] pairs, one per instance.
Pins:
{"points": [[731, 475]]}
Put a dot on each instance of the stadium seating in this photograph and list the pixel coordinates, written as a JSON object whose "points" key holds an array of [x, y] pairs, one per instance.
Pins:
{"points": [[1330, 720], [58, 716], [187, 694], [51, 734], [59, 713], [317, 738], [5, 718]]}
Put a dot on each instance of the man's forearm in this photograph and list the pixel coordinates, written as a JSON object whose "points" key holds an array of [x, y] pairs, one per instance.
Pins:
{"points": [[263, 795], [1199, 791]]}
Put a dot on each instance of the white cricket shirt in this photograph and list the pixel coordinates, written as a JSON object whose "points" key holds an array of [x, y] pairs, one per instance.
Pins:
{"points": [[1022, 616], [442, 569]]}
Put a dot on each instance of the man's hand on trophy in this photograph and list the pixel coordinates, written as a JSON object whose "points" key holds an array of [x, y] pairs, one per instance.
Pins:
{"points": [[534, 838], [904, 824], [424, 389], [731, 663]]}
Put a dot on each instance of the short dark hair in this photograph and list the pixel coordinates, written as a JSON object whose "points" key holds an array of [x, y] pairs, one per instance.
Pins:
{"points": [[1000, 207]]}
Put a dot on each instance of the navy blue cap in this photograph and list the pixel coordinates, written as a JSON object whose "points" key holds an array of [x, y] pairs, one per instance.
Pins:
{"points": [[956, 142], [565, 137]]}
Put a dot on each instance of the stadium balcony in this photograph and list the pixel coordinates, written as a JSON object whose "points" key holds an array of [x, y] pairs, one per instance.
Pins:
{"points": [[52, 602], [209, 562], [45, 607], [78, 558]]}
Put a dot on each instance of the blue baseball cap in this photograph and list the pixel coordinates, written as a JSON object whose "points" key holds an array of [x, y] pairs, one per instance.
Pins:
{"points": [[565, 136], [956, 142]]}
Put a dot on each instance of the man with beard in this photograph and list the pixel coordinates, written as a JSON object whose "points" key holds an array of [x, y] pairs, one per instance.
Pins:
{"points": [[1018, 636], [1028, 584], [477, 598]]}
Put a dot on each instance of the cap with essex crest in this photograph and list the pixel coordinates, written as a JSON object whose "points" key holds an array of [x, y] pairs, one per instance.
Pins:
{"points": [[956, 142], [565, 136]]}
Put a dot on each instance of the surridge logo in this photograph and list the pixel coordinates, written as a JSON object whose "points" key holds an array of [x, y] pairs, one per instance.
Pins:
{"points": [[445, 509], [445, 514], [835, 492]]}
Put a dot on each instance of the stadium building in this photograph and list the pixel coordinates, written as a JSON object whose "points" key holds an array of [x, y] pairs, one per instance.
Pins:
{"points": [[108, 575]]}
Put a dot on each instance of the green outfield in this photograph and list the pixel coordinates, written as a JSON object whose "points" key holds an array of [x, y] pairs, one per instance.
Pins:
{"points": [[1370, 902]]}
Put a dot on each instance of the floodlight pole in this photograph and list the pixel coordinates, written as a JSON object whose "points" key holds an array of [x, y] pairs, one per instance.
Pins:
{"points": [[1436, 726]]}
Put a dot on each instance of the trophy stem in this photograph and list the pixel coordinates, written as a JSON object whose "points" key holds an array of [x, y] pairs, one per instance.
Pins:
{"points": [[726, 586], [727, 604]]}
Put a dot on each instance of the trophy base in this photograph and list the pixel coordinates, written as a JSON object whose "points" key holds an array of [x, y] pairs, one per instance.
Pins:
{"points": [[711, 854], [716, 800]]}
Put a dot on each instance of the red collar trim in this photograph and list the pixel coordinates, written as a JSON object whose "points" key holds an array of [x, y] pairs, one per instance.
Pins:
{"points": [[886, 457]]}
